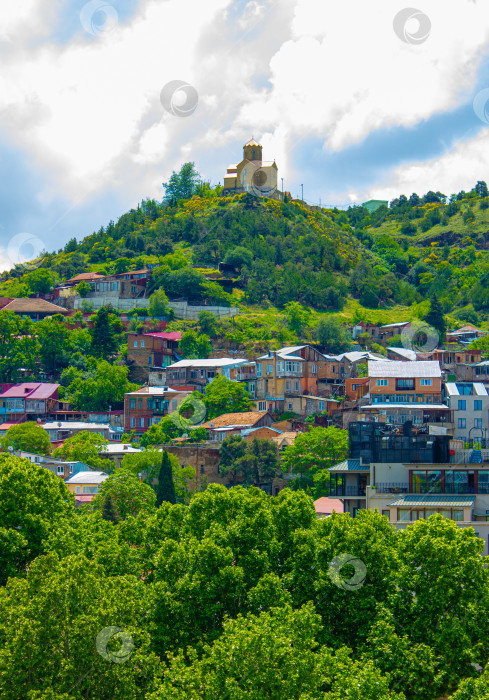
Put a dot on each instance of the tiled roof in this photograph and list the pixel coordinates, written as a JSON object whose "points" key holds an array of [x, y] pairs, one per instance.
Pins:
{"points": [[247, 419], [325, 505], [30, 306], [427, 368], [85, 276], [431, 500], [350, 465]]}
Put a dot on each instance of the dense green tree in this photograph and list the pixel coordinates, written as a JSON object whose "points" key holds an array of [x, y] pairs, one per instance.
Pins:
{"points": [[104, 342], [54, 339], [332, 335], [41, 281], [19, 347], [313, 453], [28, 436], [225, 396], [85, 447], [31, 499], [129, 496], [165, 490], [297, 316], [239, 257], [208, 324], [108, 511], [233, 449], [100, 386], [436, 318], [159, 306], [182, 185], [194, 346]]}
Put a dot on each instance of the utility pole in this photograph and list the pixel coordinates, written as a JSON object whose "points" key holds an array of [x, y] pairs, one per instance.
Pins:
{"points": [[302, 187]]}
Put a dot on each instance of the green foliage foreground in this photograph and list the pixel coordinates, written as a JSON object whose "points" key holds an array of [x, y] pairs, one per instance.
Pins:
{"points": [[237, 595]]}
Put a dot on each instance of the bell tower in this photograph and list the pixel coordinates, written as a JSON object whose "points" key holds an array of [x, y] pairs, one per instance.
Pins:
{"points": [[252, 151]]}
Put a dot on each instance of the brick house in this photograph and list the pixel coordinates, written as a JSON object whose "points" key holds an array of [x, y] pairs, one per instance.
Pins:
{"points": [[151, 352], [146, 406], [28, 401], [199, 373], [236, 423]]}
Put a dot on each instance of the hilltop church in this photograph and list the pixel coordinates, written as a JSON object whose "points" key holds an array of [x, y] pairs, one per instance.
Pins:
{"points": [[253, 174]]}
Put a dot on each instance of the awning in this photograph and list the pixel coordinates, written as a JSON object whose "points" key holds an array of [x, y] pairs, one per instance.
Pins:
{"points": [[434, 500]]}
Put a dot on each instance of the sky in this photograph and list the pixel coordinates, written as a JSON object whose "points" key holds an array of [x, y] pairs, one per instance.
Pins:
{"points": [[100, 101]]}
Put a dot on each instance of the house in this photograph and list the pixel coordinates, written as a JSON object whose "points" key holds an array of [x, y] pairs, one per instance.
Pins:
{"points": [[339, 368], [408, 477], [83, 277], [356, 389], [288, 373], [62, 468], [147, 406], [392, 329], [62, 430], [28, 401], [199, 373], [466, 334], [246, 373], [236, 423], [469, 402], [252, 174], [285, 439], [325, 506], [35, 309], [125, 285], [406, 391], [454, 361], [85, 485], [264, 432], [115, 452], [151, 352]]}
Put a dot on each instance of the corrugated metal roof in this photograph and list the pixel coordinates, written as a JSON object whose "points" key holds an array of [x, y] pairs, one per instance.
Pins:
{"points": [[430, 500], [87, 478], [452, 389], [30, 390], [174, 335], [212, 362], [404, 352], [350, 465], [393, 368], [396, 325], [480, 389], [418, 406]]}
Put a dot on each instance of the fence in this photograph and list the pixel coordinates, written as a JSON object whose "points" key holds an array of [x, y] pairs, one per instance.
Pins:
{"points": [[182, 309]]}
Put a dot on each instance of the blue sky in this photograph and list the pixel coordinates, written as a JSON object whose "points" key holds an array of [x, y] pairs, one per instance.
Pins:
{"points": [[349, 102]]}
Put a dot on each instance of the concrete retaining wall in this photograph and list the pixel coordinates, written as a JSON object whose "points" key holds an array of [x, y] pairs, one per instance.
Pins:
{"points": [[181, 308]]}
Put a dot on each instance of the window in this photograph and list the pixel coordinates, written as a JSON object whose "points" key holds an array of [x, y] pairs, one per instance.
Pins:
{"points": [[135, 344], [403, 514], [77, 489], [150, 360], [132, 403], [290, 406], [387, 514], [143, 343], [462, 423], [71, 469], [321, 405], [296, 386], [477, 422], [132, 422], [314, 369], [287, 386], [426, 382], [477, 405], [269, 369], [140, 404], [258, 370], [262, 405], [61, 470], [173, 404], [462, 405], [141, 422], [381, 382], [37, 460]]}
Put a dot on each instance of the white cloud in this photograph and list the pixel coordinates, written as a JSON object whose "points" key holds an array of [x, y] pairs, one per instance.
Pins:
{"points": [[457, 170]]}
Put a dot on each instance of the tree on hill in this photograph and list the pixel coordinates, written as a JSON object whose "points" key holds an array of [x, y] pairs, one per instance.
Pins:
{"points": [[207, 323], [54, 340], [99, 386], [182, 185], [20, 347], [436, 318], [225, 396], [159, 305], [104, 342], [332, 335], [128, 495], [27, 436], [193, 346], [166, 488]]}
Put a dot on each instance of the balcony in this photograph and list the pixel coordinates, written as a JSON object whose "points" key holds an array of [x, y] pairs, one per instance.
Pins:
{"points": [[392, 488], [347, 492]]}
